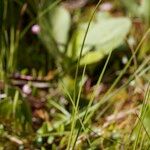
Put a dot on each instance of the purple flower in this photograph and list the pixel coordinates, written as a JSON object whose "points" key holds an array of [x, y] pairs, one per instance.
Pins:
{"points": [[106, 6], [26, 89], [35, 29]]}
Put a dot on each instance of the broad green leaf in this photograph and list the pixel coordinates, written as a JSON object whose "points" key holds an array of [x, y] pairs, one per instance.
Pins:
{"points": [[108, 34], [61, 21], [145, 10], [103, 36], [55, 26], [88, 59], [132, 7]]}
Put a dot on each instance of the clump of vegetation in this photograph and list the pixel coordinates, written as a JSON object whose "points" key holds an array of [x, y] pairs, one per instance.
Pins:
{"points": [[74, 74]]}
